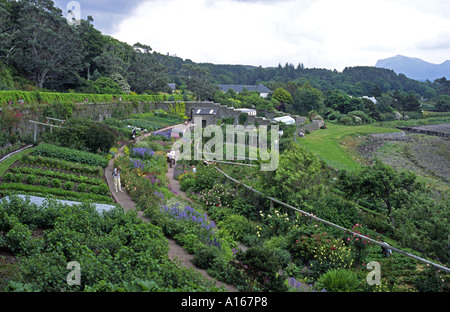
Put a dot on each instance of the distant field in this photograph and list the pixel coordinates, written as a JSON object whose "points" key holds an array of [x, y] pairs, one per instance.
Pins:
{"points": [[331, 145]]}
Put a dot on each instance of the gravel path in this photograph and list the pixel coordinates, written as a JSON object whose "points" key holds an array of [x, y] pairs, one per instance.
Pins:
{"points": [[176, 252]]}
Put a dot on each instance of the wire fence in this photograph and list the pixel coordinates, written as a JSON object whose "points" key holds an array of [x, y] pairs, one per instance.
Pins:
{"points": [[307, 214]]}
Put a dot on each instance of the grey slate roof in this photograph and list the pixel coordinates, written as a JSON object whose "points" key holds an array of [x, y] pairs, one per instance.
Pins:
{"points": [[205, 111], [238, 88]]}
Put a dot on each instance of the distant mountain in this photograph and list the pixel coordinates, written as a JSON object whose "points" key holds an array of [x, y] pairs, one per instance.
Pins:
{"points": [[415, 68]]}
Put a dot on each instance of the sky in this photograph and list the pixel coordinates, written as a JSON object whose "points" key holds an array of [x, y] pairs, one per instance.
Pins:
{"points": [[331, 34]]}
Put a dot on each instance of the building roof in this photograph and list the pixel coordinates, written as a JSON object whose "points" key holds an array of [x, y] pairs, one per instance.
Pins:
{"points": [[288, 120], [238, 88], [205, 111]]}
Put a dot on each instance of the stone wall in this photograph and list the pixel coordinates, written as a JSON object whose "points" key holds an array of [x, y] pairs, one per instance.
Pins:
{"points": [[102, 111], [224, 111], [313, 126], [392, 136]]}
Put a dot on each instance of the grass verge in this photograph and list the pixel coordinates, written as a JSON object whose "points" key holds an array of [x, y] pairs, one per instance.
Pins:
{"points": [[5, 164]]}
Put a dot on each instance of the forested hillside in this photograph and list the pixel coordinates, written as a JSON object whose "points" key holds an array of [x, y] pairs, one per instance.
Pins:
{"points": [[40, 50]]}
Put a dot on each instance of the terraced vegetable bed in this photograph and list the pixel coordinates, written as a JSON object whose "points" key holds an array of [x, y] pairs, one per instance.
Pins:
{"points": [[38, 175]]}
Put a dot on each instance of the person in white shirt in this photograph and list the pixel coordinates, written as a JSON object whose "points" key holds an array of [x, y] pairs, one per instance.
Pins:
{"points": [[171, 158], [116, 176]]}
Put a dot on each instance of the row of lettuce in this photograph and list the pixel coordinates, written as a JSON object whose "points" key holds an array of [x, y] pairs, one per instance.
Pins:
{"points": [[58, 171]]}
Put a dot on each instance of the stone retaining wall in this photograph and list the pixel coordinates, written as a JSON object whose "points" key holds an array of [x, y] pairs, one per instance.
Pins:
{"points": [[102, 111], [393, 136], [426, 130]]}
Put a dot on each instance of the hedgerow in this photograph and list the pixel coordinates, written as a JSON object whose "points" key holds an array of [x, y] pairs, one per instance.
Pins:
{"points": [[51, 97]]}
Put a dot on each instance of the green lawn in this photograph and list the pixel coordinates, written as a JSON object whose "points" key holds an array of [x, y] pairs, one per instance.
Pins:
{"points": [[5, 164], [325, 143]]}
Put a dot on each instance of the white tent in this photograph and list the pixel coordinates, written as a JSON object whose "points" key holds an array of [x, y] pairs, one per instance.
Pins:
{"points": [[288, 120]]}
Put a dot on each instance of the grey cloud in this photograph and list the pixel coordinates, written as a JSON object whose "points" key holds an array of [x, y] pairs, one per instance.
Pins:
{"points": [[440, 41]]}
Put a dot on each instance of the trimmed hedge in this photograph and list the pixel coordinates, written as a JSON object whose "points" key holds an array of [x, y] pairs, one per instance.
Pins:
{"points": [[68, 154]]}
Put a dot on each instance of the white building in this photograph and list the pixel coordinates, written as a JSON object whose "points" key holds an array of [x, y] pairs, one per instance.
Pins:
{"points": [[288, 120]]}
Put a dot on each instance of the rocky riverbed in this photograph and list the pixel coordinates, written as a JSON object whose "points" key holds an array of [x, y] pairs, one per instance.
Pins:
{"points": [[426, 155]]}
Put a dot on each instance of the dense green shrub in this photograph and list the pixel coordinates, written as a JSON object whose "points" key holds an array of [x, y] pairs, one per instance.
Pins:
{"points": [[8, 176], [205, 177], [56, 183], [335, 209], [187, 184], [189, 242], [82, 187], [68, 186], [44, 182], [346, 120], [18, 238], [430, 281], [17, 178], [205, 256], [261, 266], [238, 226], [102, 189], [115, 247], [100, 137], [31, 179], [338, 280]]}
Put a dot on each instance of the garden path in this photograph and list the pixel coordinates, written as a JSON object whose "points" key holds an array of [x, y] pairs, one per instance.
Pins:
{"points": [[176, 252]]}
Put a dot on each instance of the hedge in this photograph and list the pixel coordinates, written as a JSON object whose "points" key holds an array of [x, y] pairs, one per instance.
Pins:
{"points": [[68, 154], [33, 97]]}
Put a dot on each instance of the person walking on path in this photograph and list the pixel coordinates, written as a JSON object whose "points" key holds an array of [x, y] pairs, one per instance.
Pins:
{"points": [[171, 158], [116, 176]]}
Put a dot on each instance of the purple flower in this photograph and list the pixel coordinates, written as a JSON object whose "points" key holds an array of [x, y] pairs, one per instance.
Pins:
{"points": [[137, 163], [142, 152]]}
